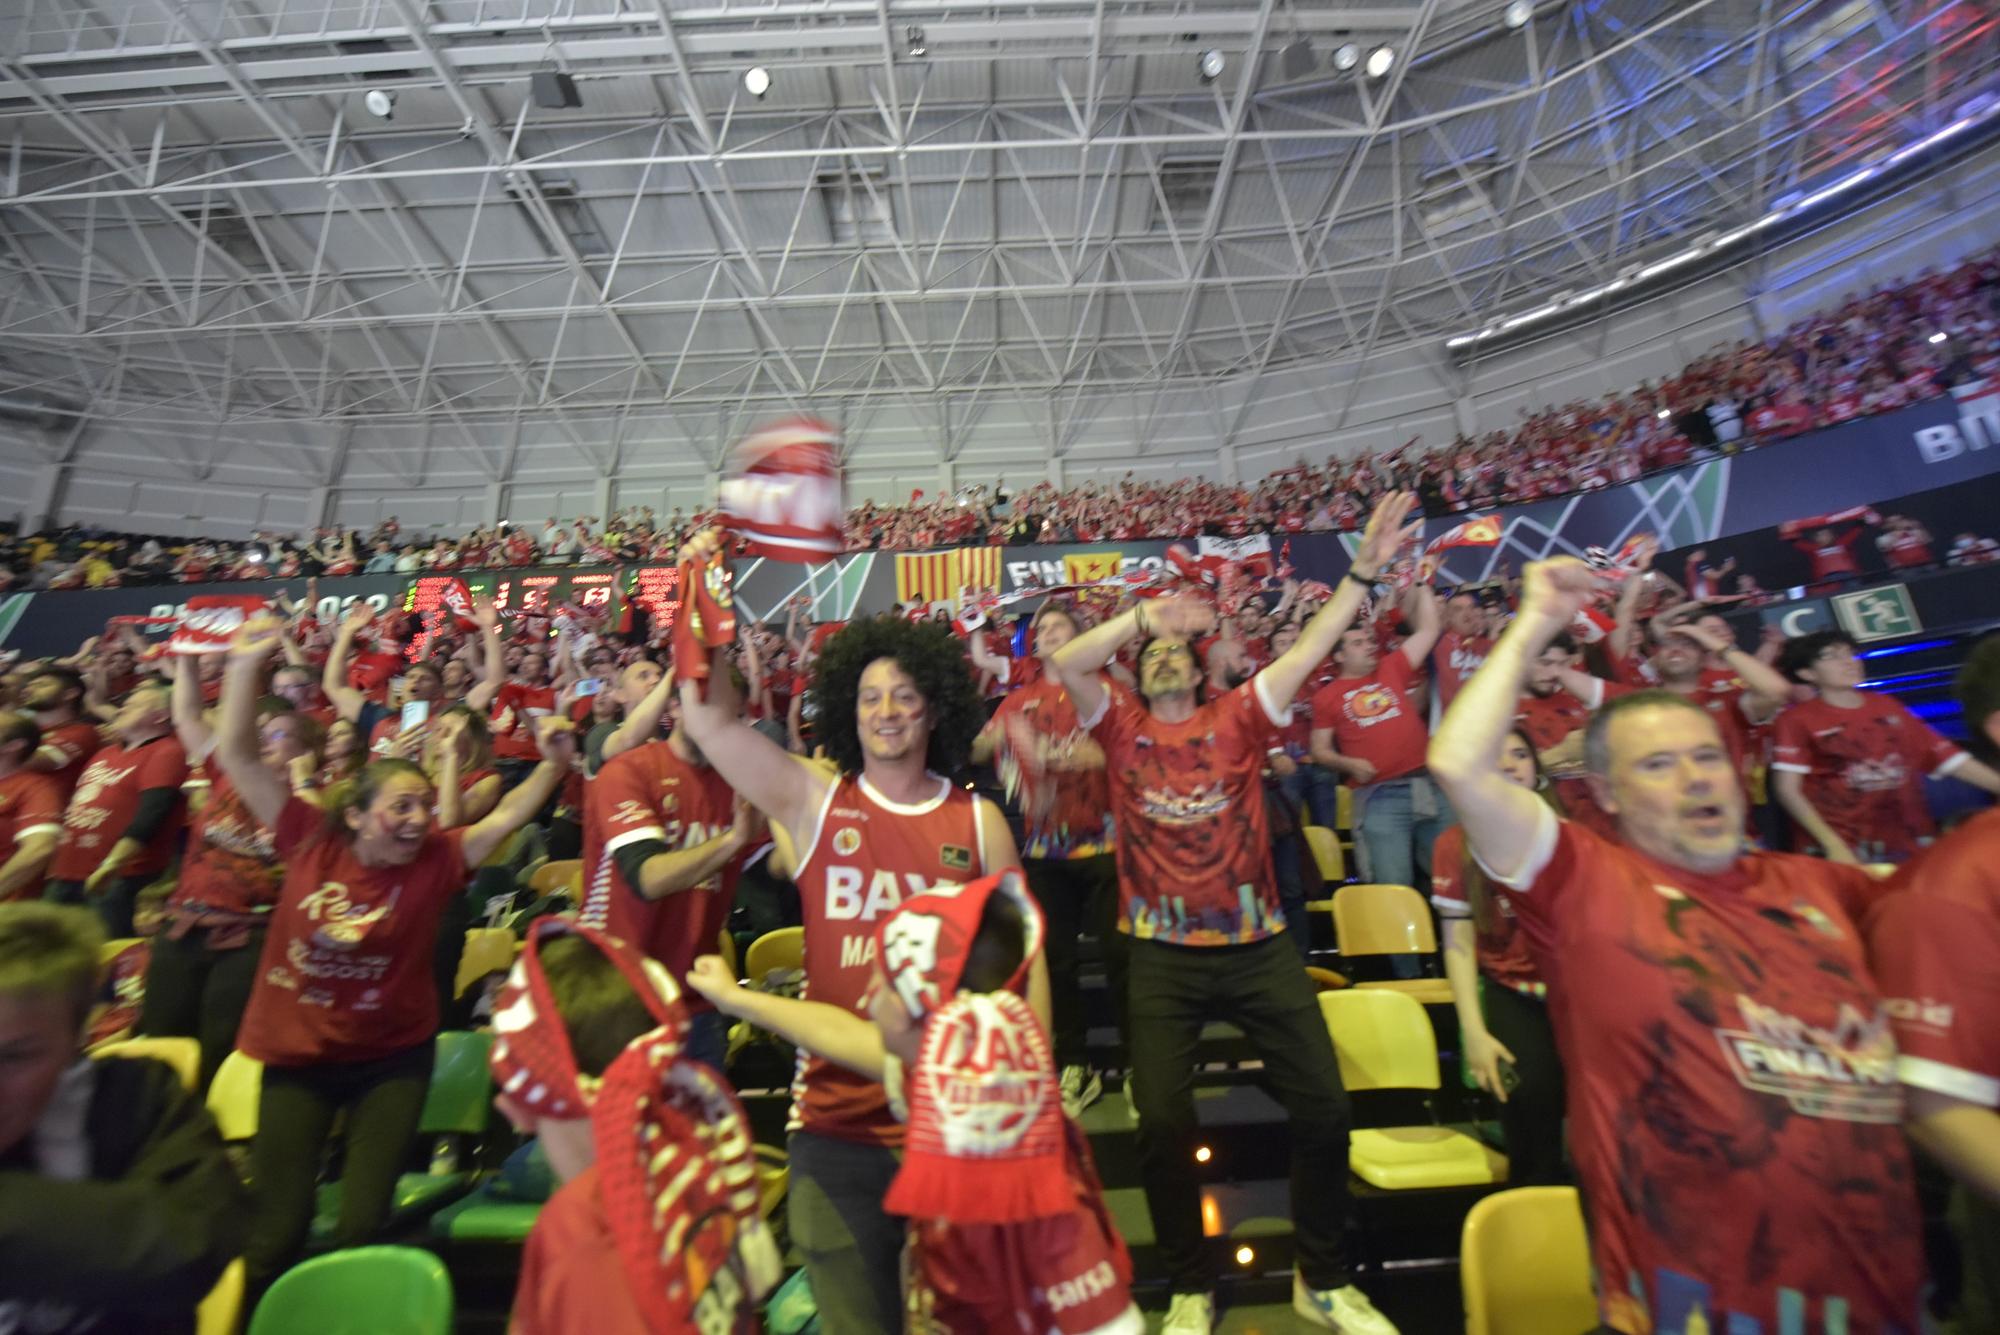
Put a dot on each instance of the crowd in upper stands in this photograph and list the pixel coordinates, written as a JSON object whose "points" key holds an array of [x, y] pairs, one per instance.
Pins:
{"points": [[1874, 353]]}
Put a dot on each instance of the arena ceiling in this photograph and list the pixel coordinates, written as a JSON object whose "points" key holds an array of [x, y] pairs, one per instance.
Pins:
{"points": [[936, 204]]}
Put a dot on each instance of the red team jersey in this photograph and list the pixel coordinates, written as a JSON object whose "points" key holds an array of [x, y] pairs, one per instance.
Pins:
{"points": [[106, 799], [573, 1280], [515, 710], [1194, 844], [346, 973], [77, 742], [1733, 1105], [1456, 658], [232, 860], [1904, 550], [651, 793], [1375, 719], [861, 859], [1502, 952], [1547, 719], [1863, 769], [30, 803], [1933, 939], [1077, 820]]}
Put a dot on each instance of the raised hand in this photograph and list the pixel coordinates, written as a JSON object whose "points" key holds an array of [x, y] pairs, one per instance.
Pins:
{"points": [[258, 640], [555, 738], [711, 977], [358, 616], [1554, 591], [1181, 615], [1389, 527]]}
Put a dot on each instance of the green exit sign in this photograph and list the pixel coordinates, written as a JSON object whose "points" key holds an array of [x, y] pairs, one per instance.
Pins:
{"points": [[1877, 614]]}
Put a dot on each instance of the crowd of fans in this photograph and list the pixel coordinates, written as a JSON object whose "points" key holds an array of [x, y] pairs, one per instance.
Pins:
{"points": [[1873, 354], [288, 834]]}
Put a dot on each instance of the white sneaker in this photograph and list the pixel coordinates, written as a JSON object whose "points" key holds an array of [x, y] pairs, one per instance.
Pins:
{"points": [[1346, 1310], [1081, 1087], [1191, 1314]]}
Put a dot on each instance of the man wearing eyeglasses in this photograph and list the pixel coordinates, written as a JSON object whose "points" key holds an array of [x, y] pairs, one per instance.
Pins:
{"points": [[1199, 898], [1849, 763]]}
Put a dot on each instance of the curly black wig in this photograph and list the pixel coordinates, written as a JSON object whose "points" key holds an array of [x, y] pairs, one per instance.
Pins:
{"points": [[935, 660]]}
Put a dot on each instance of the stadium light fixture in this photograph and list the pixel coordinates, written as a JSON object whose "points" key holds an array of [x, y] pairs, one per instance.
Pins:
{"points": [[1938, 337], [1518, 13], [1380, 61], [913, 37], [756, 81], [1346, 56], [1245, 1255], [381, 103], [1973, 113], [1209, 65]]}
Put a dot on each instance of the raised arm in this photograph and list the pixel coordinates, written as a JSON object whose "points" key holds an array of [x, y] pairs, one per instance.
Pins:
{"points": [[1767, 686], [1502, 819], [1078, 662], [557, 742], [347, 700], [264, 790], [643, 723], [1625, 618], [493, 667], [190, 725], [1427, 615], [823, 1029], [1385, 534]]}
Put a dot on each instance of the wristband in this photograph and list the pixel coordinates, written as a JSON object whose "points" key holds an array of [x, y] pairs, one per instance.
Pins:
{"points": [[1366, 582]]}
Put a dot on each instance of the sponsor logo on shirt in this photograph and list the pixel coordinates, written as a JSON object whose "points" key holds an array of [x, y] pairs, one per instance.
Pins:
{"points": [[1846, 1073], [846, 841], [1882, 775], [1075, 1292], [851, 895], [1922, 1012], [341, 921], [955, 857], [1171, 808], [1371, 705]]}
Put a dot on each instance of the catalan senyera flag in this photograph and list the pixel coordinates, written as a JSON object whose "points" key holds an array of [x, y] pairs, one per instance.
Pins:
{"points": [[1088, 567], [933, 577]]}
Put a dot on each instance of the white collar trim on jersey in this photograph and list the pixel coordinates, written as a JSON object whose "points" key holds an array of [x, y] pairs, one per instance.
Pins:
{"points": [[924, 807]]}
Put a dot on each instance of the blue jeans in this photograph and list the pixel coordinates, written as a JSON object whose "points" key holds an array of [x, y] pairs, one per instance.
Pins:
{"points": [[1393, 842], [1314, 791]]}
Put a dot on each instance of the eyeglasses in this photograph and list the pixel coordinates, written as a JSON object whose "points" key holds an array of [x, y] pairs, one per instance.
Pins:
{"points": [[1165, 651]]}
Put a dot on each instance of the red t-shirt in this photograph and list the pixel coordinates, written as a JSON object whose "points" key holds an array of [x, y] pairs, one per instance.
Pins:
{"points": [[1194, 843], [1905, 550], [651, 793], [1933, 939], [572, 1278], [515, 709], [1456, 658], [346, 973], [1502, 952], [232, 860], [1863, 769], [1547, 719], [1375, 719], [863, 855], [1067, 812], [78, 742], [30, 803], [1833, 561], [106, 799], [1733, 1106]]}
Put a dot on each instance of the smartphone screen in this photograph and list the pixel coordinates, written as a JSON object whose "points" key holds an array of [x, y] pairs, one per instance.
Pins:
{"points": [[416, 713], [589, 686]]}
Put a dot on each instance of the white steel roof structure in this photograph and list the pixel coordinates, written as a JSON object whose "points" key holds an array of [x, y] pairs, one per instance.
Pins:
{"points": [[947, 224]]}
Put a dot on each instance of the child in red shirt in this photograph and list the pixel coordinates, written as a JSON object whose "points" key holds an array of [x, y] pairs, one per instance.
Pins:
{"points": [[1007, 1226]]}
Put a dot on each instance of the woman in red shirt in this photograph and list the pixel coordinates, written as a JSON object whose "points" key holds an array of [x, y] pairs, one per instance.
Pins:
{"points": [[345, 1008], [204, 957], [458, 757]]}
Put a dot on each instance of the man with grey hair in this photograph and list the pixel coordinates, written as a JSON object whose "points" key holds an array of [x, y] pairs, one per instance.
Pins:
{"points": [[1732, 1090]]}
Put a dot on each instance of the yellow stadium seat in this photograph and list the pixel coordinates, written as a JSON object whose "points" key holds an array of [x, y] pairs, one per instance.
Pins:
{"points": [[774, 1175], [1343, 808], [1389, 920], [1525, 1264], [486, 949], [782, 949], [115, 947], [553, 876], [233, 1095], [725, 946], [1383, 1040], [223, 1307], [183, 1054], [1325, 845]]}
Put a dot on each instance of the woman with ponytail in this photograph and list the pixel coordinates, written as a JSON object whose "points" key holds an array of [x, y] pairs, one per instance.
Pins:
{"points": [[1502, 1002], [344, 1010]]}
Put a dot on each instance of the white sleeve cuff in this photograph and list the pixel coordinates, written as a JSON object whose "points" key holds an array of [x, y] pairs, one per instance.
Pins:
{"points": [[629, 837], [1541, 848], [52, 827], [1938, 1078], [1951, 764], [1451, 908], [1789, 768], [1086, 723], [1279, 717]]}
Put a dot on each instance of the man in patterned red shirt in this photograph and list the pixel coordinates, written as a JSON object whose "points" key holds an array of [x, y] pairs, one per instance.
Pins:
{"points": [[1198, 896], [1733, 1109], [1462, 647], [1933, 939], [1849, 764], [1553, 719]]}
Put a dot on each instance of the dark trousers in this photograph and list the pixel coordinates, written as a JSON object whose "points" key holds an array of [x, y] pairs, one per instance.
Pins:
{"points": [[1531, 1120], [113, 904], [1077, 896], [1262, 989], [853, 1251], [382, 1098], [199, 993]]}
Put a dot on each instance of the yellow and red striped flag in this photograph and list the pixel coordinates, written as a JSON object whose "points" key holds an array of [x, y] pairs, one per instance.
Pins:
{"points": [[933, 577]]}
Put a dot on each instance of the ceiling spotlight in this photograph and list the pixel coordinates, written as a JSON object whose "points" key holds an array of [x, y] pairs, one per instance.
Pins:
{"points": [[913, 37], [381, 103], [1518, 13], [756, 81], [1346, 56], [1209, 66], [1379, 61], [1295, 58]]}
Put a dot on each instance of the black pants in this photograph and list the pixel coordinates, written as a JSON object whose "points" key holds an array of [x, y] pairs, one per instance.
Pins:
{"points": [[1262, 989], [199, 993], [853, 1251], [113, 903], [382, 1098], [1531, 1120], [1077, 895]]}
